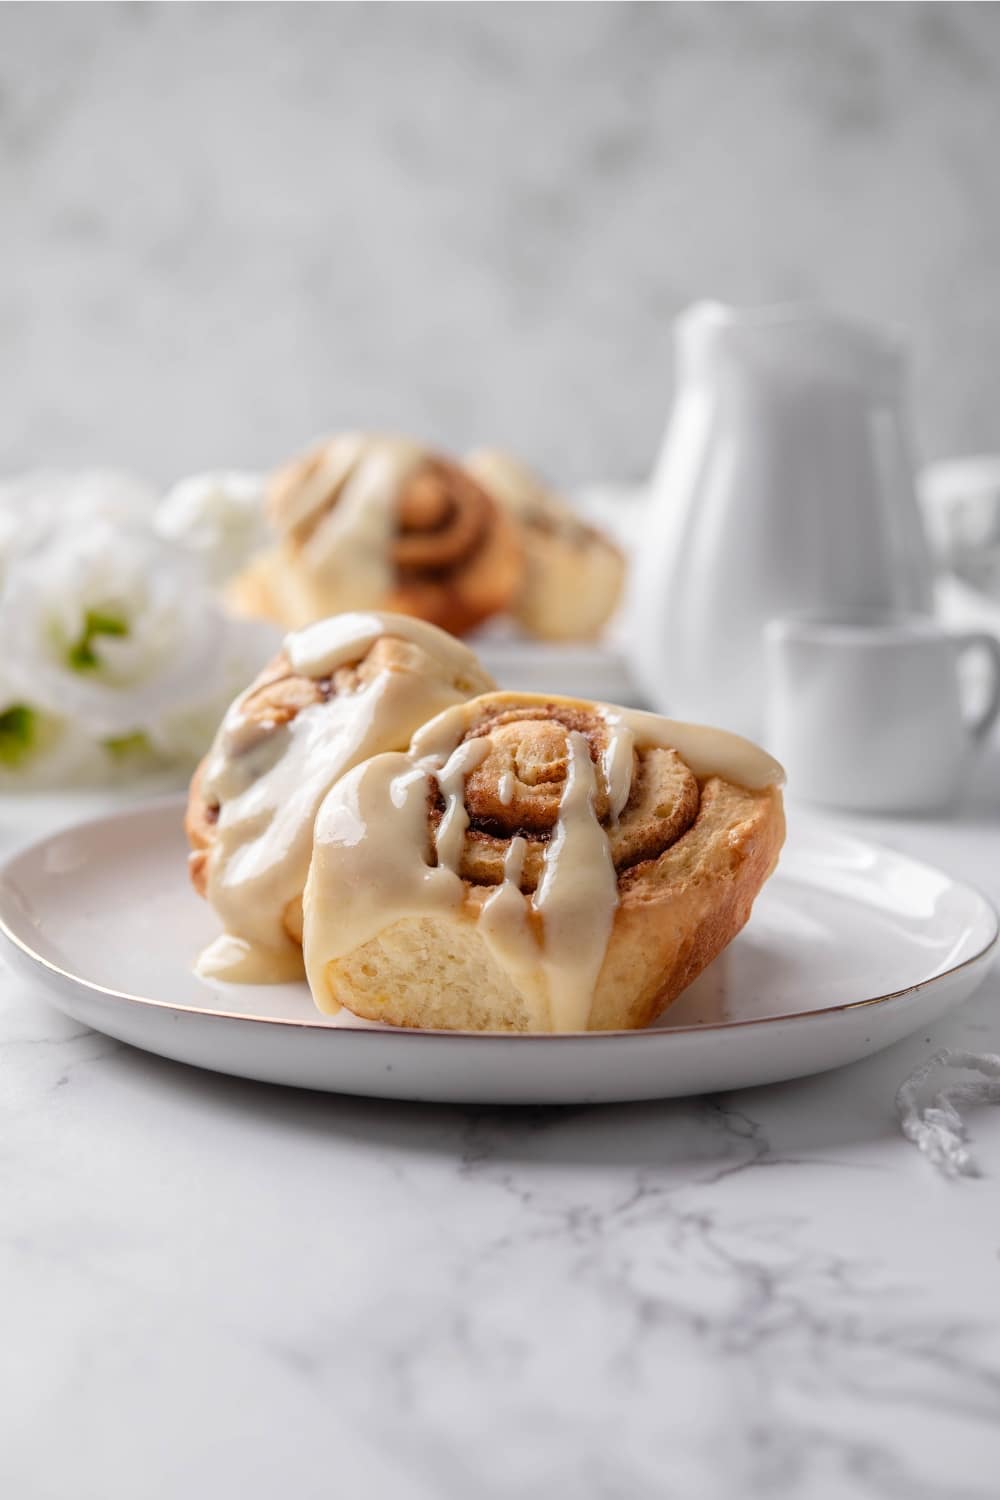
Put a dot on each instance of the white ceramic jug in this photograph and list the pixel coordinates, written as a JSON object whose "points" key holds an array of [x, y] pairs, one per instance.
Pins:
{"points": [[785, 483]]}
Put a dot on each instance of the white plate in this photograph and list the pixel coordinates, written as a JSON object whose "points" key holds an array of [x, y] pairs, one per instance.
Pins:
{"points": [[850, 947]]}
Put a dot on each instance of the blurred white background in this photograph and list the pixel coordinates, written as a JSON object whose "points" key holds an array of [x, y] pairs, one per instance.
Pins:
{"points": [[229, 227]]}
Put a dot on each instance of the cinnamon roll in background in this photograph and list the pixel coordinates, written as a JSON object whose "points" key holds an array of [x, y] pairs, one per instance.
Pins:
{"points": [[340, 691], [365, 521], [573, 573], [536, 864]]}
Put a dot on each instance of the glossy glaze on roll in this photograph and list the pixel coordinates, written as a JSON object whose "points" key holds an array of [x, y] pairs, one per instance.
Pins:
{"points": [[538, 864], [340, 691]]}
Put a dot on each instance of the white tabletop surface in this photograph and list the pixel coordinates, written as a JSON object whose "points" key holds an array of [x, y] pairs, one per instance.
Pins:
{"points": [[217, 1288]]}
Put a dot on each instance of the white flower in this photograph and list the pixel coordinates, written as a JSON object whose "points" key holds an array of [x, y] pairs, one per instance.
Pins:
{"points": [[218, 517], [11, 528], [38, 750], [42, 503], [117, 656], [109, 626]]}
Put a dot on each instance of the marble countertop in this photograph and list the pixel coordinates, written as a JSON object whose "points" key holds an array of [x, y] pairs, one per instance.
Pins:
{"points": [[212, 1286]]}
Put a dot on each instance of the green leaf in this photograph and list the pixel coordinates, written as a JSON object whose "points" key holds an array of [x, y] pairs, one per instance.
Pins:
{"points": [[123, 745], [81, 655], [18, 734]]}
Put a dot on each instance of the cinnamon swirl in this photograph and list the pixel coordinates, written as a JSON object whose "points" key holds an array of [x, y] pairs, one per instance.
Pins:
{"points": [[367, 521], [537, 864], [341, 690]]}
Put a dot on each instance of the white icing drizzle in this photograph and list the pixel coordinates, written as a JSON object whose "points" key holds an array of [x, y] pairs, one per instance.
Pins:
{"points": [[576, 897], [270, 781], [506, 931], [349, 551], [313, 492], [238, 961], [505, 788], [455, 819], [513, 864], [372, 863], [319, 649], [434, 741], [260, 855], [616, 763], [709, 752]]}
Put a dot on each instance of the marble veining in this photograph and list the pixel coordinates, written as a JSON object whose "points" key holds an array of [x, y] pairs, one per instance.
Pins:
{"points": [[217, 1284]]}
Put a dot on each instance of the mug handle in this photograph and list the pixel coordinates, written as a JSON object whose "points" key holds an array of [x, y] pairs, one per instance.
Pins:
{"points": [[981, 640]]}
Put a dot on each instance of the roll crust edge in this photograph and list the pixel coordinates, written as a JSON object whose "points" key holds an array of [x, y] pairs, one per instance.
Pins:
{"points": [[676, 913]]}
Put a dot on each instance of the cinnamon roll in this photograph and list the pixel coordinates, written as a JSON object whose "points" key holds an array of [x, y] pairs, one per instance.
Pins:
{"points": [[573, 574], [537, 864], [339, 691], [366, 521]]}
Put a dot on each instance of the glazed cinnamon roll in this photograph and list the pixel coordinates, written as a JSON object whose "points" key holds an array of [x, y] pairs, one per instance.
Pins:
{"points": [[366, 521], [340, 690], [537, 864], [573, 573]]}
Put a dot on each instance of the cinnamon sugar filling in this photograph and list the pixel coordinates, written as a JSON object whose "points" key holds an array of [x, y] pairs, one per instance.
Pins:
{"points": [[442, 522], [516, 792]]}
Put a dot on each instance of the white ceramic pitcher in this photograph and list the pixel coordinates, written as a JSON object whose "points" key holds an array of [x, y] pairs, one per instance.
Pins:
{"points": [[785, 484]]}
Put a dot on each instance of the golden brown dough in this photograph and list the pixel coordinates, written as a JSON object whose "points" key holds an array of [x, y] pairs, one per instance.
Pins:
{"points": [[577, 815], [366, 521], [573, 573]]}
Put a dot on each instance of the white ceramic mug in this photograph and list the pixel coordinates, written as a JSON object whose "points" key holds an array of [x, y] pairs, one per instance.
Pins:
{"points": [[865, 710]]}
